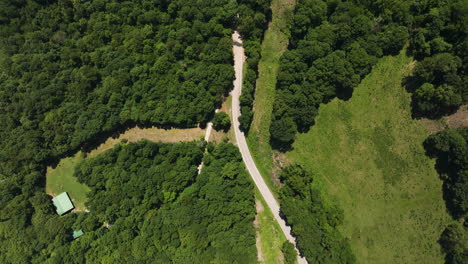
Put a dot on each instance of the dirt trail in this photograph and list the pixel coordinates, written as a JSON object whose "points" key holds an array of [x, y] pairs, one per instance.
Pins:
{"points": [[153, 134], [239, 59]]}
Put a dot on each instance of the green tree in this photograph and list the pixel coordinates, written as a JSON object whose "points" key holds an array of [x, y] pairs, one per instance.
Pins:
{"points": [[451, 150], [221, 120], [393, 38], [435, 69], [433, 100], [313, 222], [289, 252], [283, 131], [454, 243]]}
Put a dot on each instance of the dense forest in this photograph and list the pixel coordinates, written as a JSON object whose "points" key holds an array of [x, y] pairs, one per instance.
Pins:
{"points": [[73, 72], [334, 44], [313, 222], [450, 148], [149, 205]]}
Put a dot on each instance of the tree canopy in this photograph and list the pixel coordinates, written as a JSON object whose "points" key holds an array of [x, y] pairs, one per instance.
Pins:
{"points": [[221, 120], [313, 222], [334, 44], [450, 148], [75, 72], [252, 44]]}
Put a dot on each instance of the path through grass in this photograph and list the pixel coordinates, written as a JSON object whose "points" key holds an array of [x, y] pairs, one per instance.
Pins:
{"points": [[152, 134], [367, 155], [269, 233], [273, 46]]}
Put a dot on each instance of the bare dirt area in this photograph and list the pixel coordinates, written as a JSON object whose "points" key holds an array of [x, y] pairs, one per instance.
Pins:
{"points": [[279, 162], [432, 126], [152, 134], [455, 120], [458, 119]]}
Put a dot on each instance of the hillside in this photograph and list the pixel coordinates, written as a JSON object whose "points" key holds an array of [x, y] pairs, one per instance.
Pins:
{"points": [[368, 158]]}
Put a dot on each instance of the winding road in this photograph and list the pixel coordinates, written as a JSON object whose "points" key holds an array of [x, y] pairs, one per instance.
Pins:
{"points": [[239, 59]]}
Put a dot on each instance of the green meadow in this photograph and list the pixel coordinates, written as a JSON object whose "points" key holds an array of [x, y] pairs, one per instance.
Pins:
{"points": [[60, 179], [368, 158]]}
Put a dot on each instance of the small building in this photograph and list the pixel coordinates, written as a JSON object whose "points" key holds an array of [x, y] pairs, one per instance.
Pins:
{"points": [[77, 234], [63, 203]]}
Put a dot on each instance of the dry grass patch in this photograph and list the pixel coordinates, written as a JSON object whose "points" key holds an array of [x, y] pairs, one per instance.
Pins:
{"points": [[455, 120], [458, 119], [153, 134]]}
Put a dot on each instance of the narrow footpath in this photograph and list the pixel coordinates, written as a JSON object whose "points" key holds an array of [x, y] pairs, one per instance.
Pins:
{"points": [[239, 59]]}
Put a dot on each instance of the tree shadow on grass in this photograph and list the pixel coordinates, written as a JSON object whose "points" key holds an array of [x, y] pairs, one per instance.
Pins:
{"points": [[448, 174], [411, 83], [281, 146]]}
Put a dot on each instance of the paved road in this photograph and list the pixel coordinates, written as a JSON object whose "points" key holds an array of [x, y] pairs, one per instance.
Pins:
{"points": [[239, 59]]}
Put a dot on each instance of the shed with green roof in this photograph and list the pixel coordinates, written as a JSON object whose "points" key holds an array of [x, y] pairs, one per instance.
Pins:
{"points": [[63, 203], [77, 234]]}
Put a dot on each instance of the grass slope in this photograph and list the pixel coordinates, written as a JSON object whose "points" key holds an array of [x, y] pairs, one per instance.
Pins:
{"points": [[368, 156], [270, 235], [274, 44], [60, 179]]}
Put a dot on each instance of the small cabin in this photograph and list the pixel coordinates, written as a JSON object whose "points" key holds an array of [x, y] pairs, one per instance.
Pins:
{"points": [[63, 203], [77, 234]]}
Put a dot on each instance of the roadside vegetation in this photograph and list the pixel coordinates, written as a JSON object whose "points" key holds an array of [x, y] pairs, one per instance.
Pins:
{"points": [[313, 222], [274, 44], [222, 135], [252, 46], [221, 121], [366, 155], [289, 252], [270, 235]]}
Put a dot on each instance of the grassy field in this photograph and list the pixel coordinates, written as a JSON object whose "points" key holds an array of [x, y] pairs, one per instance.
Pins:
{"points": [[274, 44], [60, 179], [269, 234], [367, 155]]}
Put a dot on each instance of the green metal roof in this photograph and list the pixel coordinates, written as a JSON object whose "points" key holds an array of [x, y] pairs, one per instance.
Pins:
{"points": [[77, 234], [63, 203]]}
